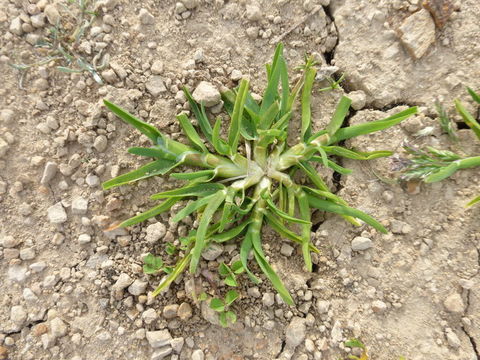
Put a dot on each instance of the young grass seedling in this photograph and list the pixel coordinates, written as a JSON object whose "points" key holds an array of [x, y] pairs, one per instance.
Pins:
{"points": [[61, 45], [221, 306], [236, 192], [432, 165]]}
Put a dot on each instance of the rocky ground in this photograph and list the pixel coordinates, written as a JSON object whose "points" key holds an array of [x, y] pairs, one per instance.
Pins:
{"points": [[70, 290]]}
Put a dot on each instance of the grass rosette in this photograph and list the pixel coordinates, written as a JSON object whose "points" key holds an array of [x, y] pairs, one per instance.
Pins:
{"points": [[235, 193]]}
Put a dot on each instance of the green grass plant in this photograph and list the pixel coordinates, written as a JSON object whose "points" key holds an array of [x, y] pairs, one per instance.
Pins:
{"points": [[250, 176]]}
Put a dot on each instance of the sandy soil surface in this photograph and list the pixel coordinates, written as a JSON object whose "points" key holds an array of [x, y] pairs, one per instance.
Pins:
{"points": [[70, 290]]}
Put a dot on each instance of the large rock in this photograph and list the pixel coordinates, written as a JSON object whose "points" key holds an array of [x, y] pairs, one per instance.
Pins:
{"points": [[417, 33]]}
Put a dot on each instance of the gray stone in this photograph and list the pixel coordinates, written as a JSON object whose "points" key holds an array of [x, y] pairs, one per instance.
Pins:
{"points": [[58, 328], [38, 20], [161, 353], [123, 281], [149, 316], [16, 26], [110, 76], [29, 296], [323, 306], [159, 338], [452, 339], [190, 4], [379, 306], [207, 94], [7, 116], [146, 18], [417, 33], [92, 180], [253, 13], [49, 172], [359, 99], [454, 304], [9, 241], [84, 239], [177, 344], [184, 311], [361, 243], [170, 311], [268, 299], [3, 147], [18, 316], [79, 206], [57, 214], [254, 292], [138, 287], [295, 332], [100, 143], [27, 254], [157, 67], [337, 333], [236, 75], [212, 251], [38, 266], [155, 85], [155, 232], [198, 355], [52, 14], [286, 250], [17, 273]]}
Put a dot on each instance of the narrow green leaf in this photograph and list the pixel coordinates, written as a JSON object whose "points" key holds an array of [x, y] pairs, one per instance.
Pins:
{"points": [[267, 118], [366, 128], [217, 305], [284, 215], [150, 131], [468, 118], [285, 86], [191, 133], [475, 96], [164, 206], [229, 234], [235, 122], [354, 343], [207, 215], [219, 144], [282, 123], [158, 167], [323, 156], [178, 269], [338, 168], [194, 190], [339, 115], [474, 201], [155, 152], [304, 209], [230, 297], [442, 173], [199, 113], [271, 92], [310, 171], [193, 206], [273, 277], [210, 174], [345, 210], [306, 129], [227, 208], [245, 249], [356, 155]]}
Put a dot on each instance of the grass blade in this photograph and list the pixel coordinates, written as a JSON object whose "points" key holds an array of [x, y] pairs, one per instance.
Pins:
{"points": [[345, 210], [356, 155], [199, 113], [269, 116], [474, 201], [442, 173], [339, 115], [313, 175], [164, 206], [193, 190], [219, 144], [155, 152], [235, 122], [271, 92], [304, 209], [209, 174], [191, 133], [284, 215], [468, 118], [306, 129], [158, 167], [150, 131], [245, 250], [210, 210], [193, 206], [179, 268], [366, 128], [229, 234], [475, 96]]}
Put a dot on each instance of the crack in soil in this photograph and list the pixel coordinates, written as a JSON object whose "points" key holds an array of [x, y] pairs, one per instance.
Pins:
{"points": [[474, 344]]}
